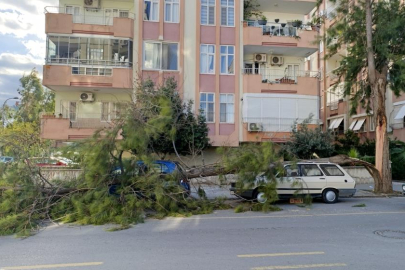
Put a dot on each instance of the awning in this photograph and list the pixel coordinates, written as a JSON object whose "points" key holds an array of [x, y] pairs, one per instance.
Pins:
{"points": [[400, 115], [353, 124], [338, 122], [359, 124], [332, 124]]}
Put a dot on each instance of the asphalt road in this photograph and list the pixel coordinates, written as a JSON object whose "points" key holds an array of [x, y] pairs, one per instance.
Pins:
{"points": [[322, 236]]}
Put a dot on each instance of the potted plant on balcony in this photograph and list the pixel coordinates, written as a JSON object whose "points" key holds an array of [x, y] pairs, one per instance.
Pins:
{"points": [[297, 23], [277, 20], [262, 21]]}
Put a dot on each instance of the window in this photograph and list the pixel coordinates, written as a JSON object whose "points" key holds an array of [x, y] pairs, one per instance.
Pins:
{"points": [[124, 14], [208, 12], [207, 59], [228, 12], [331, 170], [310, 170], [110, 111], [227, 59], [291, 172], [172, 11], [161, 56], [226, 109], [151, 12], [372, 122], [207, 106]]}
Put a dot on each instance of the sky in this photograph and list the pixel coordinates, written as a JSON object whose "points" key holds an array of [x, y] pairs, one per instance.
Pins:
{"points": [[22, 42]]}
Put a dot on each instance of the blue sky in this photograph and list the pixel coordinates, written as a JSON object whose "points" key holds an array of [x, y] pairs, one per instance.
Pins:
{"points": [[22, 42]]}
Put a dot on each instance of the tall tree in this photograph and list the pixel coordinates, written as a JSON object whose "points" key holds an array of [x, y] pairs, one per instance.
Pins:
{"points": [[373, 34], [34, 98]]}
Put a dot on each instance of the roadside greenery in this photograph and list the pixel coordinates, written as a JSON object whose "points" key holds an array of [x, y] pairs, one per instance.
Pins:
{"points": [[112, 189]]}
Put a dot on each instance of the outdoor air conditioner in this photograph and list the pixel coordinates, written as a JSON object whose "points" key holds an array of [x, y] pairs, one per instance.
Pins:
{"points": [[277, 60], [255, 127], [87, 97], [92, 3], [260, 57]]}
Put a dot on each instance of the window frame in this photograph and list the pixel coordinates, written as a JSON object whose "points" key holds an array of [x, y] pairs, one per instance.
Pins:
{"points": [[226, 103], [227, 58], [227, 7], [172, 3], [205, 112], [303, 172], [208, 54], [150, 11], [161, 55], [207, 5]]}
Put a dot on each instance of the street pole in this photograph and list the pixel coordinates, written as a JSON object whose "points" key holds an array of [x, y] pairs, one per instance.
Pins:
{"points": [[2, 110]]}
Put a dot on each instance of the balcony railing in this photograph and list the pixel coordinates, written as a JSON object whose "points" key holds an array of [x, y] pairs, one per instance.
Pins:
{"points": [[91, 16], [267, 124], [280, 76], [278, 29], [90, 120], [90, 63]]}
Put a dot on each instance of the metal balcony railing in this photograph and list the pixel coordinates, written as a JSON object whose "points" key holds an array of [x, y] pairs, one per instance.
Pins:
{"points": [[92, 16], [90, 63], [267, 124], [278, 29], [280, 76]]}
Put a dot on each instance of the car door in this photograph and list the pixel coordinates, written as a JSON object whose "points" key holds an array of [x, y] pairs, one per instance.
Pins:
{"points": [[336, 177], [313, 180], [289, 182]]}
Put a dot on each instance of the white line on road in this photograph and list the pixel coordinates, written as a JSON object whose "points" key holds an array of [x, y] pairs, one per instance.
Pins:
{"points": [[281, 254], [49, 266], [300, 266]]}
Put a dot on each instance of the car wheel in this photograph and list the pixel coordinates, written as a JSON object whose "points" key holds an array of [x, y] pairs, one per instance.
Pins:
{"points": [[260, 197], [330, 196]]}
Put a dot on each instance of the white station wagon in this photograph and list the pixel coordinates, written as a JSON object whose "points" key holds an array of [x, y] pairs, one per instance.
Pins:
{"points": [[328, 181]]}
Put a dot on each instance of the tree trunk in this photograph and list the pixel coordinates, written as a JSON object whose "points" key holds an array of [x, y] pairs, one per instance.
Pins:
{"points": [[382, 155], [378, 84]]}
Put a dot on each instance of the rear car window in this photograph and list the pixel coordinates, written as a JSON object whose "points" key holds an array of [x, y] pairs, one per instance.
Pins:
{"points": [[310, 170], [331, 170]]}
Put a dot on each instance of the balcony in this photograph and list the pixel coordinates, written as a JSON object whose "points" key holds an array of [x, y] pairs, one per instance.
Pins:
{"points": [[64, 78], [279, 35], [69, 20], [280, 81], [65, 129]]}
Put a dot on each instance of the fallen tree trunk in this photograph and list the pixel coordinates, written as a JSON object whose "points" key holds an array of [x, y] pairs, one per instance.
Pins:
{"points": [[208, 170], [344, 160]]}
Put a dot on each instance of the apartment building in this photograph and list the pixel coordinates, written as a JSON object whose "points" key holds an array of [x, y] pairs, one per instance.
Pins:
{"points": [[335, 108], [252, 78]]}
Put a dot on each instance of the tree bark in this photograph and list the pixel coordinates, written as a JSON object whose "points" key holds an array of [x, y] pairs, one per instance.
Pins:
{"points": [[378, 84]]}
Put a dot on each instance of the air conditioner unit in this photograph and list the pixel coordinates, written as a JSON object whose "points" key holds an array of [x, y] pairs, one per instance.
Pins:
{"points": [[87, 97], [255, 127], [277, 61], [260, 57], [92, 3]]}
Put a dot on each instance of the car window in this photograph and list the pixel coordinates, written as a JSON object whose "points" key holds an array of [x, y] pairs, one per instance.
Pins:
{"points": [[331, 170], [156, 168], [165, 169], [310, 170], [290, 171]]}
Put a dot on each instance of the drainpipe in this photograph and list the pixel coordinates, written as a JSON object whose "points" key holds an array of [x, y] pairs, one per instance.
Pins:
{"points": [[325, 125]]}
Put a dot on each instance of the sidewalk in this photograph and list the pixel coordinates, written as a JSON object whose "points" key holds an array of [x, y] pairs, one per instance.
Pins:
{"points": [[215, 191]]}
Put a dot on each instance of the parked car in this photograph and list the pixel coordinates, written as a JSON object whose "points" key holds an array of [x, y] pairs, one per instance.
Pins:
{"points": [[166, 169], [328, 181], [46, 162], [4, 159]]}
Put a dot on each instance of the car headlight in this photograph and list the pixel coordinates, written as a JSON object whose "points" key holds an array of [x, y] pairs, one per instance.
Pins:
{"points": [[403, 188]]}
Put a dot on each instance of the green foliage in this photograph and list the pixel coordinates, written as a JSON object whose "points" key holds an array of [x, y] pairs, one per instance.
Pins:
{"points": [[359, 205], [353, 153], [251, 9], [388, 36], [306, 141], [253, 163], [34, 99]]}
